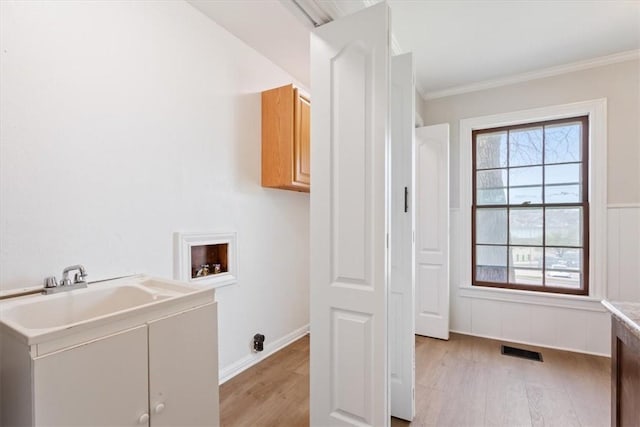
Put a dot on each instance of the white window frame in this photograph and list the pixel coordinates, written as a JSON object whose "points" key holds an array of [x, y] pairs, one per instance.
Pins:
{"points": [[597, 187]]}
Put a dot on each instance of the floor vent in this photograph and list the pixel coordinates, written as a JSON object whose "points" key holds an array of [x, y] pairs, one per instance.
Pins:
{"points": [[519, 352]]}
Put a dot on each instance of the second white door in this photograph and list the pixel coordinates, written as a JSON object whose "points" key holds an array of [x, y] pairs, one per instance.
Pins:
{"points": [[401, 294], [432, 230]]}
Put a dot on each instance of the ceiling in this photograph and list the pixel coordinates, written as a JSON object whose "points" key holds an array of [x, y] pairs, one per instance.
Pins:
{"points": [[456, 44]]}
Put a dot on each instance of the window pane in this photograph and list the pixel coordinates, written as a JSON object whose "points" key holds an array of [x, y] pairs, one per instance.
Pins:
{"points": [[525, 185], [563, 227], [491, 263], [491, 150], [525, 176], [525, 265], [525, 195], [492, 197], [491, 187], [562, 143], [563, 268], [562, 193], [525, 257], [525, 147], [491, 226], [562, 174], [563, 279], [563, 259], [525, 226], [562, 183]]}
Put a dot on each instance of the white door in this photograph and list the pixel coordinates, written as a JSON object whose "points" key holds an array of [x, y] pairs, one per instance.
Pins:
{"points": [[349, 220], [401, 289], [432, 230], [183, 369], [105, 383]]}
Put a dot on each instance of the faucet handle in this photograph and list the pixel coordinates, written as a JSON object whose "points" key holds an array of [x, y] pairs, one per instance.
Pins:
{"points": [[50, 282], [79, 277]]}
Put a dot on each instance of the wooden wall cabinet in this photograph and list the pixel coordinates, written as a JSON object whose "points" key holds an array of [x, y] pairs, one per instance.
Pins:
{"points": [[286, 139]]}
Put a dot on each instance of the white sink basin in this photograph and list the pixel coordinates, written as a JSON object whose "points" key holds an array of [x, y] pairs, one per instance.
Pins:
{"points": [[37, 317], [77, 306]]}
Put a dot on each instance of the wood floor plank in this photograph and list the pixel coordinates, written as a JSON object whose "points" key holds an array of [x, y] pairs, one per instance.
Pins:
{"points": [[461, 382], [506, 399], [550, 407]]}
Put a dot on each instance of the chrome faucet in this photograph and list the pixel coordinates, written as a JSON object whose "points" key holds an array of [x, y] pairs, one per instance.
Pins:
{"points": [[51, 285]]}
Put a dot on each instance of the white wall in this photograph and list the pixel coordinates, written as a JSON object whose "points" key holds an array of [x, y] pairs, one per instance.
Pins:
{"points": [[551, 321], [123, 122]]}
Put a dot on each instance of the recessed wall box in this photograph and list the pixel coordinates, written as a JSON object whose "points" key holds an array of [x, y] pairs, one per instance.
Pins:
{"points": [[205, 258]]}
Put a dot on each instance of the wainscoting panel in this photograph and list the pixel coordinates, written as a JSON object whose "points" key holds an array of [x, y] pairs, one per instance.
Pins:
{"points": [[623, 255], [580, 325]]}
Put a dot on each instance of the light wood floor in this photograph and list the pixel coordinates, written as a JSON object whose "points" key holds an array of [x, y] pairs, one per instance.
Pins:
{"points": [[274, 392], [461, 382]]}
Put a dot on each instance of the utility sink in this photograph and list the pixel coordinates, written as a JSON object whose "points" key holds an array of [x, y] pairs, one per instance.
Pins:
{"points": [[36, 318], [78, 306]]}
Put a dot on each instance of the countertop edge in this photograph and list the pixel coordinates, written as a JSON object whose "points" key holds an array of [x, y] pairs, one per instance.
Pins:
{"points": [[617, 312]]}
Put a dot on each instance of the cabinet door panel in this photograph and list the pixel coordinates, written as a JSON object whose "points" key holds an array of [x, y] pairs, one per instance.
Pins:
{"points": [[183, 369], [101, 383], [302, 155]]}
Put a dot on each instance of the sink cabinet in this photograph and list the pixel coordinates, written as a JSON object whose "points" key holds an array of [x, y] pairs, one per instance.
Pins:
{"points": [[286, 139], [625, 375], [163, 372]]}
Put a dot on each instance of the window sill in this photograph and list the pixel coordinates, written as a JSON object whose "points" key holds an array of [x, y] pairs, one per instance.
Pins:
{"points": [[575, 302]]}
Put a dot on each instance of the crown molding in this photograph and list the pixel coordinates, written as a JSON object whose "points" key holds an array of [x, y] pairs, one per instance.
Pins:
{"points": [[300, 13], [534, 75], [328, 10]]}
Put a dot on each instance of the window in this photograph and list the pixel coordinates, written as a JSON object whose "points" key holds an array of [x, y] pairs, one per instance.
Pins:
{"points": [[530, 207]]}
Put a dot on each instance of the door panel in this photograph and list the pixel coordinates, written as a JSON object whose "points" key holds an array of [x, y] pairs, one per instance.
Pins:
{"points": [[302, 167], [432, 231], [186, 392], [351, 161], [350, 83], [351, 377], [105, 383], [401, 283]]}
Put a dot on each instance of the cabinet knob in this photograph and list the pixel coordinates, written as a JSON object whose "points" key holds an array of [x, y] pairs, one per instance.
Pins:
{"points": [[159, 408], [144, 418]]}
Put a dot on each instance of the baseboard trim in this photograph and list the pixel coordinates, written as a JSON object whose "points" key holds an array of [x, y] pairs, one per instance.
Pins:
{"points": [[228, 372], [573, 350]]}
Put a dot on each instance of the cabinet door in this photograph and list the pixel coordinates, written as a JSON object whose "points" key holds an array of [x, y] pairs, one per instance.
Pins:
{"points": [[100, 383], [183, 369], [302, 158]]}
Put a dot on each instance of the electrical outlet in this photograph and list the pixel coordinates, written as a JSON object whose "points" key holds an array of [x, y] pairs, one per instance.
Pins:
{"points": [[258, 342]]}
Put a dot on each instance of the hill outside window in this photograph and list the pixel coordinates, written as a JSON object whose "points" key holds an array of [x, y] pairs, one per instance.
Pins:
{"points": [[530, 209]]}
